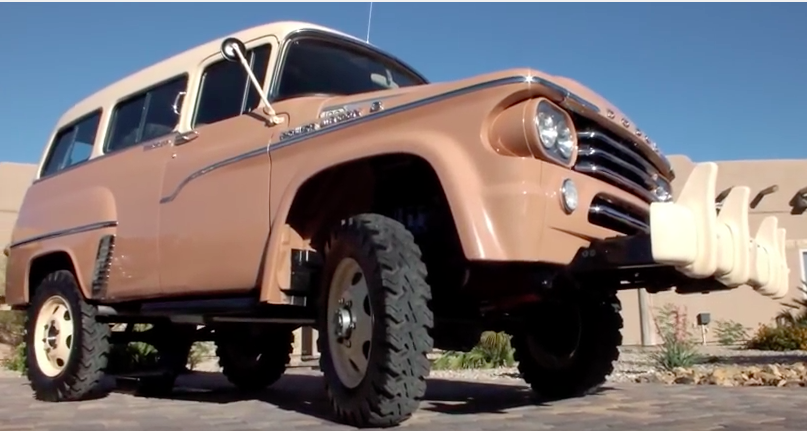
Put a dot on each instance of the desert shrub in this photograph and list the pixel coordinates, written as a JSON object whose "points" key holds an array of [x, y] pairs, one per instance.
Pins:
{"points": [[795, 312], [788, 332], [12, 327], [16, 361], [199, 352], [779, 338], [730, 333], [12, 332], [493, 351], [678, 347]]}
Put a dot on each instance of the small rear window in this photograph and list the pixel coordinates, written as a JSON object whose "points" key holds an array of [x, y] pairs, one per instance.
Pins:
{"points": [[72, 145]]}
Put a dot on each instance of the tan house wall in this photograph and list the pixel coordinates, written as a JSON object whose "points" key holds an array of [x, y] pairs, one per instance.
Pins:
{"points": [[742, 305], [14, 181]]}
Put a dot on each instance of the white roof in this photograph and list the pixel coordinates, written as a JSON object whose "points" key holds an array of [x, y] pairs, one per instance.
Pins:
{"points": [[183, 61]]}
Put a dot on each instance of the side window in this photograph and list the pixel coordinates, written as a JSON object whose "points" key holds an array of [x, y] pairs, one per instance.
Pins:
{"points": [[315, 66], [72, 145], [146, 116], [225, 90]]}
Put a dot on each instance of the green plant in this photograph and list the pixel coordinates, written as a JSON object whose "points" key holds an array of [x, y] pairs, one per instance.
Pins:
{"points": [[12, 332], [199, 352], [795, 313], [493, 351], [16, 361], [730, 333], [788, 332], [12, 327], [678, 348], [779, 338]]}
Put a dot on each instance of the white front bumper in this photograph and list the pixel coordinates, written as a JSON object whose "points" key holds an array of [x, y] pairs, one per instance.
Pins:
{"points": [[689, 235]]}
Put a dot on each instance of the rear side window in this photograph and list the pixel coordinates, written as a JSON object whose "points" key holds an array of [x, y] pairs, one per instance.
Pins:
{"points": [[146, 116], [225, 90], [72, 145]]}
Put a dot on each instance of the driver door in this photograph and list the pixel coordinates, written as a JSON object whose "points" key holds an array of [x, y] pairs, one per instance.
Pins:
{"points": [[214, 211]]}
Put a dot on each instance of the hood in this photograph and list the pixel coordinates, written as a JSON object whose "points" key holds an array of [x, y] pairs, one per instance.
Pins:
{"points": [[608, 113]]}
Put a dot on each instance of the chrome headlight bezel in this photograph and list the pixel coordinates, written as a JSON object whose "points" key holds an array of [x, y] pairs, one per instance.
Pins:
{"points": [[555, 131]]}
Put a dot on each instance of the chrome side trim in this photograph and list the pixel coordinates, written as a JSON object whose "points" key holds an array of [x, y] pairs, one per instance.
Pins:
{"points": [[210, 168], [65, 232], [595, 170], [291, 140], [620, 217], [571, 101]]}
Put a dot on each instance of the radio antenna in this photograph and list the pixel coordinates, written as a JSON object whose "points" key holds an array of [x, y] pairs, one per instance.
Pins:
{"points": [[369, 21]]}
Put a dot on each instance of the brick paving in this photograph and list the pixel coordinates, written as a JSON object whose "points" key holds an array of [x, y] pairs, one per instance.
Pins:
{"points": [[205, 401]]}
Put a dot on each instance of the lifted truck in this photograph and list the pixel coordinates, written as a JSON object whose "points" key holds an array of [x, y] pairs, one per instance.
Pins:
{"points": [[292, 175]]}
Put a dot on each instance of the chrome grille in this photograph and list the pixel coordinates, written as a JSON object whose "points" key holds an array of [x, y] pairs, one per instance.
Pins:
{"points": [[606, 157]]}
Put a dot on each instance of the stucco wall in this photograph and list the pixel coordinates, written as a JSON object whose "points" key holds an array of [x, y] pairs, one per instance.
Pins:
{"points": [[14, 181]]}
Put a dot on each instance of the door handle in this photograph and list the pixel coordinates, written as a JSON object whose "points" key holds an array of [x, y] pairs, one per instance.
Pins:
{"points": [[184, 138]]}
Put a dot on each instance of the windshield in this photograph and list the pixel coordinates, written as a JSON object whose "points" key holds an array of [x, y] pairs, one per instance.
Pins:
{"points": [[316, 66]]}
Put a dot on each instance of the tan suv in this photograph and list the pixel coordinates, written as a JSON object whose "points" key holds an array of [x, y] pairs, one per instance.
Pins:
{"points": [[293, 175]]}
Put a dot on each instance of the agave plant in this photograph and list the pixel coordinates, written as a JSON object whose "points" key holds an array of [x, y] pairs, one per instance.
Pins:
{"points": [[493, 351]]}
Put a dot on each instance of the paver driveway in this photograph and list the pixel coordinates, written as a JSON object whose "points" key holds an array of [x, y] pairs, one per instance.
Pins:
{"points": [[206, 402]]}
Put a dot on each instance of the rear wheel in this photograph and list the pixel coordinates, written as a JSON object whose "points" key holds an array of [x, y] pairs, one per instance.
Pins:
{"points": [[374, 322], [66, 347], [173, 343], [568, 347], [253, 360]]}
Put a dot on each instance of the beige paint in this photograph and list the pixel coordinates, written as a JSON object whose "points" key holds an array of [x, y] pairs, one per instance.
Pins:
{"points": [[213, 215], [741, 305]]}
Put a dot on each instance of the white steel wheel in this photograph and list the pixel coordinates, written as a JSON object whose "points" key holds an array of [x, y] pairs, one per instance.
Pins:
{"points": [[53, 336], [350, 327], [66, 347]]}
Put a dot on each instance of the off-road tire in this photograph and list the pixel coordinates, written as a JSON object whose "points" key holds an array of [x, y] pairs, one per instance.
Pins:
{"points": [[597, 350], [395, 380], [276, 347], [82, 376], [172, 362]]}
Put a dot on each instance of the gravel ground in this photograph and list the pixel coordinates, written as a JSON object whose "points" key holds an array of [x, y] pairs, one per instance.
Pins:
{"points": [[636, 362], [633, 362]]}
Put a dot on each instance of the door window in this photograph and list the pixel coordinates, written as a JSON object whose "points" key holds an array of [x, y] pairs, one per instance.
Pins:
{"points": [[226, 92], [146, 116]]}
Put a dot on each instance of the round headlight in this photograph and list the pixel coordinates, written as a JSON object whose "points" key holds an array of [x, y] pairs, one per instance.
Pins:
{"points": [[553, 130], [568, 196]]}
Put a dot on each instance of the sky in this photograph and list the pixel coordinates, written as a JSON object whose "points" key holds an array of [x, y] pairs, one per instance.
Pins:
{"points": [[717, 81]]}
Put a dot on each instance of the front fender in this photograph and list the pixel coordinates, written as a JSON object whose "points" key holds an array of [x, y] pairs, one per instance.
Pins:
{"points": [[455, 163]]}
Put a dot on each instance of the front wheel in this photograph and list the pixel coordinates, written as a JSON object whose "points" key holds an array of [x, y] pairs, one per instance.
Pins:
{"points": [[66, 348], [374, 322], [568, 347]]}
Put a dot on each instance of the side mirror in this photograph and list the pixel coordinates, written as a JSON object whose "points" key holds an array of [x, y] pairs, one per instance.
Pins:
{"points": [[231, 47]]}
